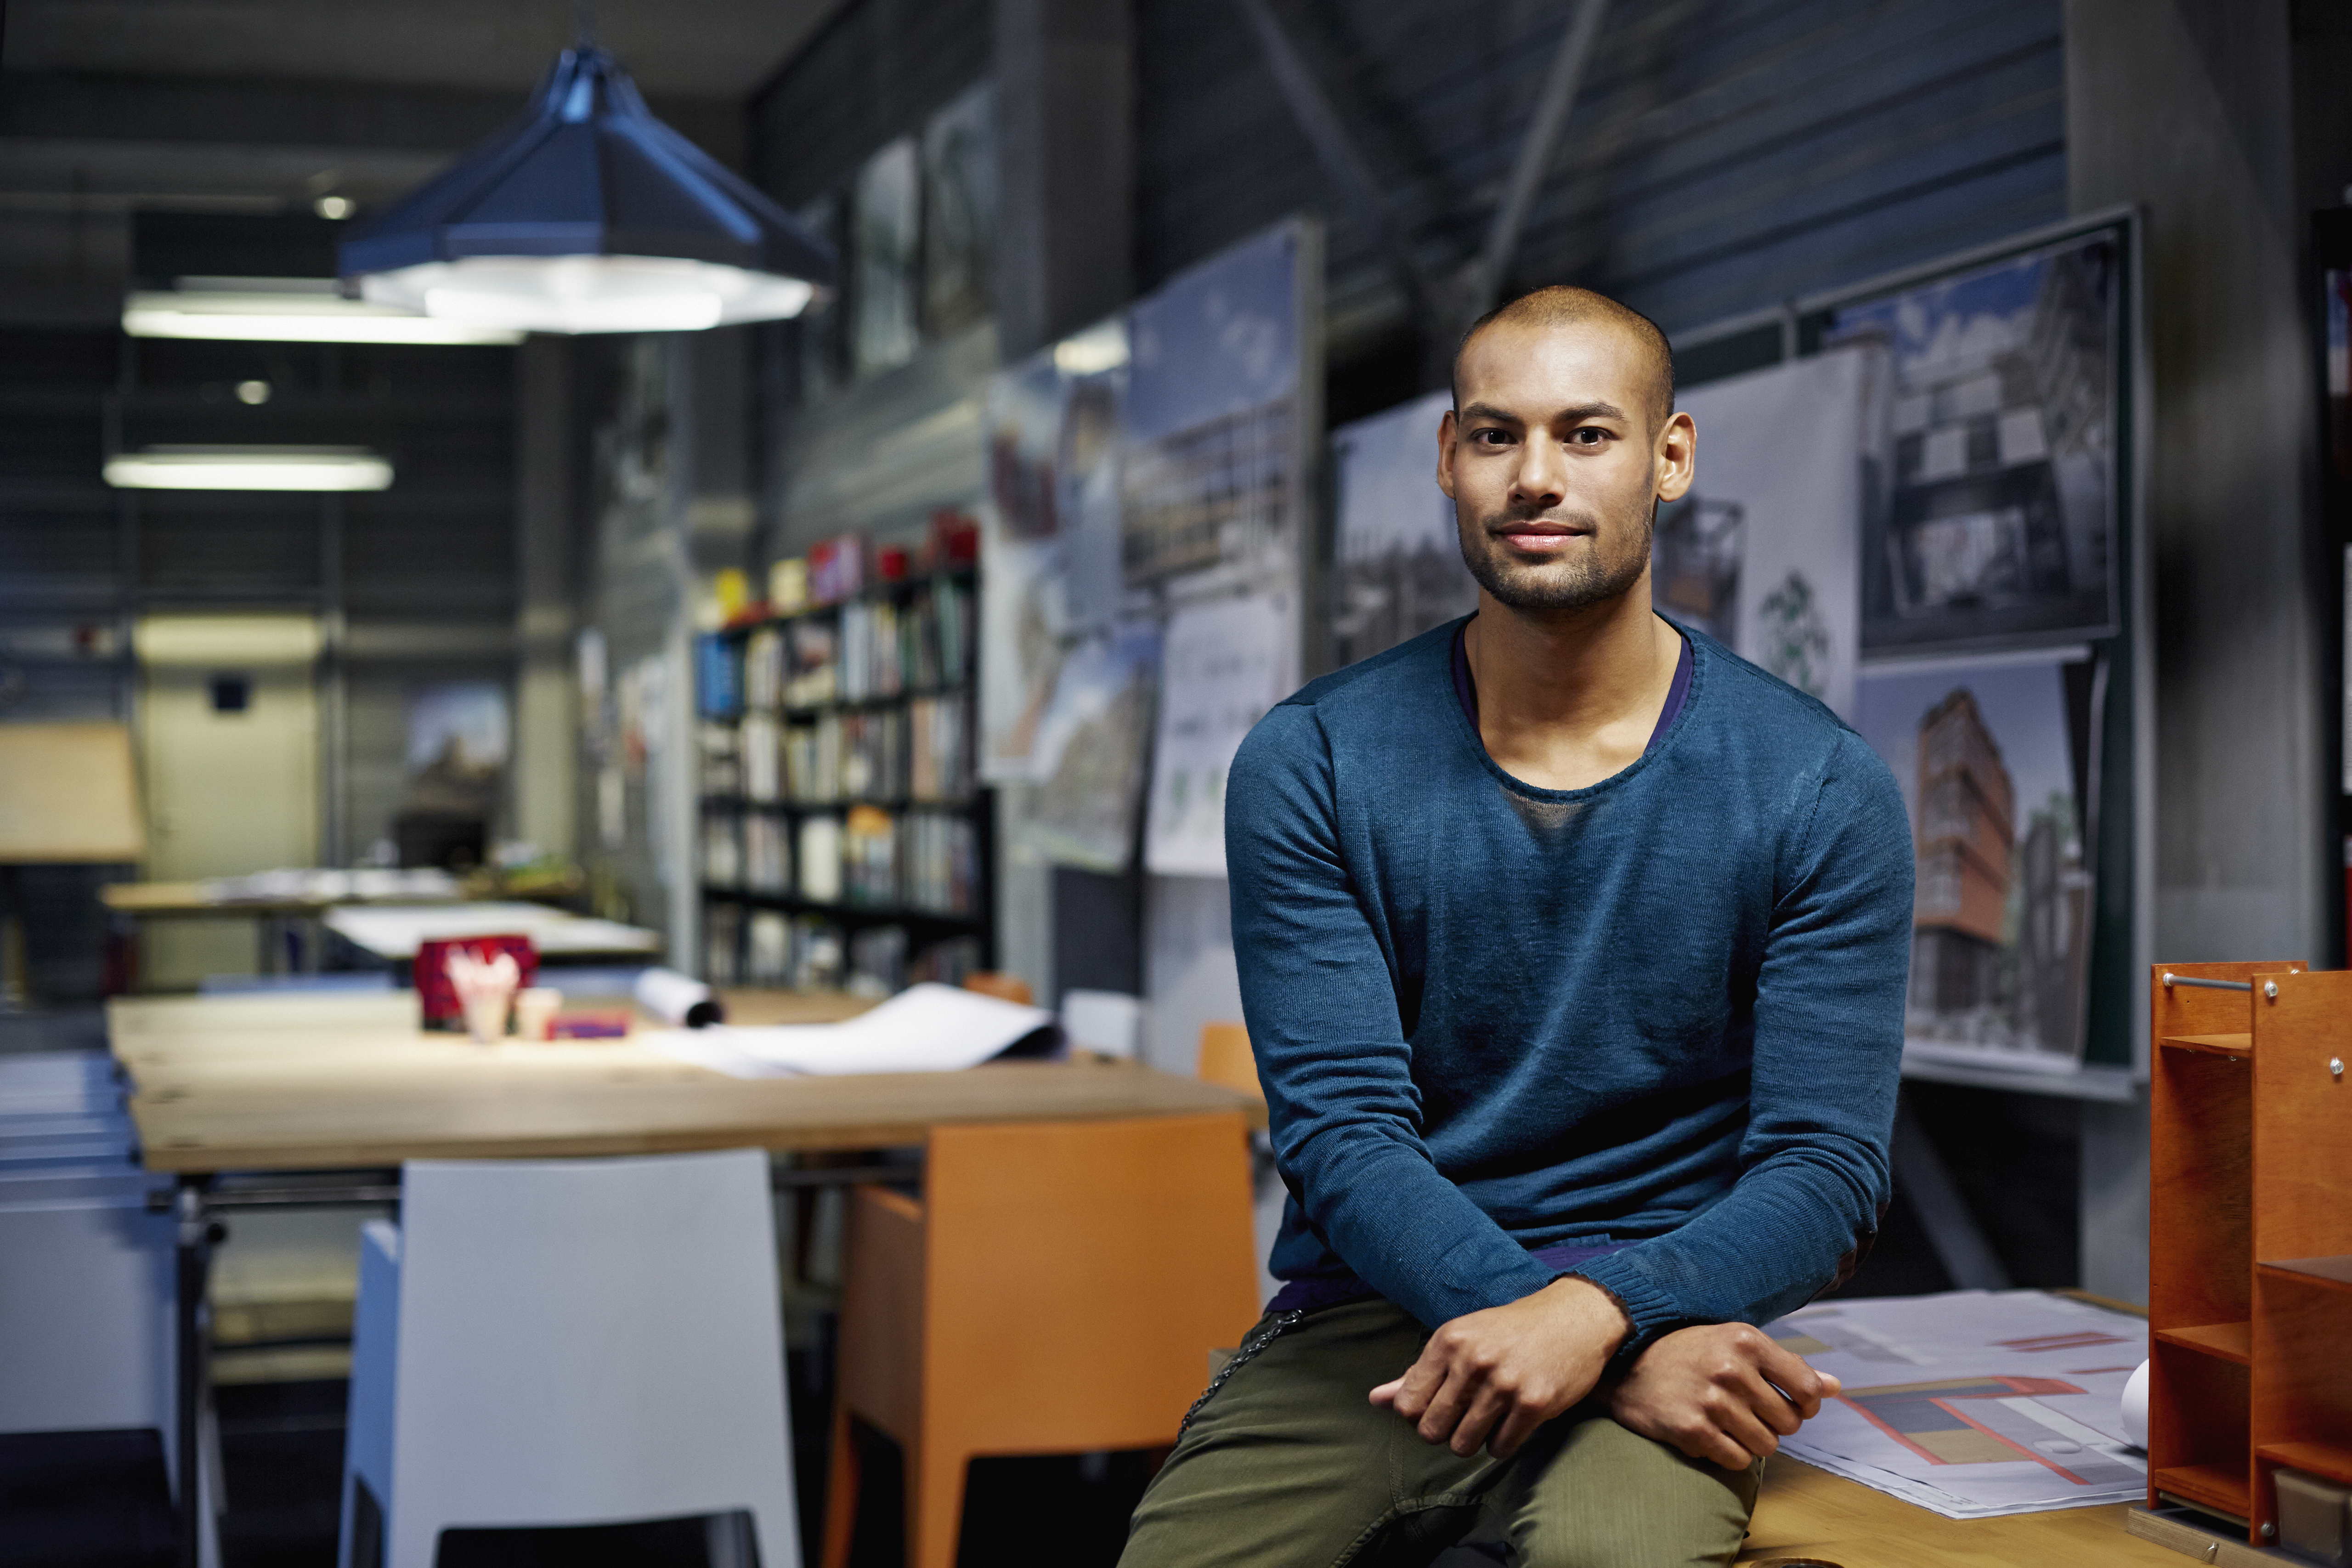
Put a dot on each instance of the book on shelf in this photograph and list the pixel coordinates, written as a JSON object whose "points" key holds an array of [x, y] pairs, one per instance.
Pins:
{"points": [[819, 859], [722, 851], [767, 854], [812, 673], [720, 748], [763, 670], [718, 677], [758, 757], [722, 928]]}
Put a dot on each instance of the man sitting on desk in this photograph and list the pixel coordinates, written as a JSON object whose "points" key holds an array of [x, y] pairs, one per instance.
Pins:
{"points": [[1573, 949]]}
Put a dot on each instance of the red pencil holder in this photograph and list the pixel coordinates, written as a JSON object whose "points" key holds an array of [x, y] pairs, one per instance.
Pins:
{"points": [[430, 973]]}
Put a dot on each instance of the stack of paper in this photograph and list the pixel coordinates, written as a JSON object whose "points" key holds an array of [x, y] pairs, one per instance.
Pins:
{"points": [[924, 1028], [1974, 1403]]}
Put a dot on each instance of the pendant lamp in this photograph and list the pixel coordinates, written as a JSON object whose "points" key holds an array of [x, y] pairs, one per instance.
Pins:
{"points": [[587, 215]]}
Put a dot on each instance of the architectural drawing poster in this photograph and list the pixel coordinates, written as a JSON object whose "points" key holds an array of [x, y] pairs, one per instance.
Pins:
{"points": [[1146, 463], [1225, 664], [1996, 761], [1973, 1402], [1400, 570], [1992, 505]]}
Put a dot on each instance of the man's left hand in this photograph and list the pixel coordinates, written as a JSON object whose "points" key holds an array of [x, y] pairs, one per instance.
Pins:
{"points": [[1494, 1376]]}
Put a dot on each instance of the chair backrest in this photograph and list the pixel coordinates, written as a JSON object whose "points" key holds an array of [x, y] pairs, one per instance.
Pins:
{"points": [[1079, 1273], [1109, 1023], [86, 1301], [1225, 1058], [589, 1340]]}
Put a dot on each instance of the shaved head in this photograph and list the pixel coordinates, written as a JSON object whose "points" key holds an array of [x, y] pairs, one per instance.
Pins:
{"points": [[1560, 305]]}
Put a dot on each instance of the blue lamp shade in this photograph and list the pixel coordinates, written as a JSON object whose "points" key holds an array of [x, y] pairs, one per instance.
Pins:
{"points": [[587, 215]]}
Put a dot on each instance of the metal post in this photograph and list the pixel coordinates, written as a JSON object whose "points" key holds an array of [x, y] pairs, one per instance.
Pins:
{"points": [[194, 1243]]}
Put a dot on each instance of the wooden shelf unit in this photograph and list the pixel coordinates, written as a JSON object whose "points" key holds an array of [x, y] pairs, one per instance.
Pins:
{"points": [[2250, 1247]]}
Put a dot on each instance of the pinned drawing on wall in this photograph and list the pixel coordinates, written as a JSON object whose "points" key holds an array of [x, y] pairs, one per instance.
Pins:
{"points": [[959, 209], [1997, 759], [1400, 570], [1224, 665], [885, 210], [1759, 555], [1209, 483], [1049, 532], [1089, 759], [1991, 510], [456, 752], [1146, 463]]}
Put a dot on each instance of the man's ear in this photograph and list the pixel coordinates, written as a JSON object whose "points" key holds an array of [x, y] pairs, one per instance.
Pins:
{"points": [[1445, 454], [1678, 456]]}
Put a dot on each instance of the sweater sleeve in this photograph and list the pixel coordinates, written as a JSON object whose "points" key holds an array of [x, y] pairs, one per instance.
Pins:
{"points": [[1320, 999], [1814, 1176]]}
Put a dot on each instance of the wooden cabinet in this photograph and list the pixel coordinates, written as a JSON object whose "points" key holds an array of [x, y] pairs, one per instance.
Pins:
{"points": [[2250, 1256]]}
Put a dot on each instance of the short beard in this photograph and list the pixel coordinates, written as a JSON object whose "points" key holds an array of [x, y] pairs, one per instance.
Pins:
{"points": [[1561, 586]]}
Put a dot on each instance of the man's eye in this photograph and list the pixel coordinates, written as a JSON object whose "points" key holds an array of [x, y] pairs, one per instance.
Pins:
{"points": [[1587, 435], [1489, 436]]}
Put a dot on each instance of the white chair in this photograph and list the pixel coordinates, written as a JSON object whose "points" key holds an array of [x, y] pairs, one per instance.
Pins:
{"points": [[567, 1342], [1109, 1023]]}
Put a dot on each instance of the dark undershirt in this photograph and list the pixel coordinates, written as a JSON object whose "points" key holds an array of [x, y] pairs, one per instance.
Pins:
{"points": [[1331, 1291]]}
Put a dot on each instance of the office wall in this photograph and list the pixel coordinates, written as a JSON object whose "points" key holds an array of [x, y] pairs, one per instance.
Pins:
{"points": [[2188, 108]]}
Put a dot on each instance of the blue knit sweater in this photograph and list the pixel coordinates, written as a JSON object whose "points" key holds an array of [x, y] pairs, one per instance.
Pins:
{"points": [[1667, 1009]]}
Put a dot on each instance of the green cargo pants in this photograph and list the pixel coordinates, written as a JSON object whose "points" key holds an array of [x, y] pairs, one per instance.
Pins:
{"points": [[1288, 1465]]}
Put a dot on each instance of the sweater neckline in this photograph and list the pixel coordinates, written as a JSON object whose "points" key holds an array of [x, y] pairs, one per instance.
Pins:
{"points": [[1691, 663]]}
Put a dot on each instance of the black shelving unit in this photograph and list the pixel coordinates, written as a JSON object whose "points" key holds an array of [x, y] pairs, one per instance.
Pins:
{"points": [[910, 894]]}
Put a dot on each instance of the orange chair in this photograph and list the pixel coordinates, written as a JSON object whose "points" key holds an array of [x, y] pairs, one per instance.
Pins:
{"points": [[1225, 1060], [988, 982], [1057, 1290]]}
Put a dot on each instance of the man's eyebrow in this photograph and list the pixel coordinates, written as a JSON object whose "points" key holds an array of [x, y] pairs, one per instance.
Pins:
{"points": [[1575, 413]]}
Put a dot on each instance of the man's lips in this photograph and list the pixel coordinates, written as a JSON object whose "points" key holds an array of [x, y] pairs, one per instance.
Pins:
{"points": [[1539, 534]]}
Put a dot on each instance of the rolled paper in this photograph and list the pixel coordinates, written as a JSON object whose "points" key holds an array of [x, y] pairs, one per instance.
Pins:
{"points": [[678, 999]]}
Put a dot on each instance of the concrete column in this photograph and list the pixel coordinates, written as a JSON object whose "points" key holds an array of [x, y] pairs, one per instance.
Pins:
{"points": [[1066, 150], [545, 763], [2186, 108]]}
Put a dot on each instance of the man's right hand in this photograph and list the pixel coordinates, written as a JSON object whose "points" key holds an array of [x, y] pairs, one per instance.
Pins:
{"points": [[1723, 1391]]}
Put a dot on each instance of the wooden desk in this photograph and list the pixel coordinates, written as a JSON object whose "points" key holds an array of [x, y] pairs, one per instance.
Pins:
{"points": [[299, 1082], [325, 1082], [1806, 1512]]}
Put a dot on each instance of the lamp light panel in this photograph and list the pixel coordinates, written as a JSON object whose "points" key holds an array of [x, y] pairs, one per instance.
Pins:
{"points": [[310, 468]]}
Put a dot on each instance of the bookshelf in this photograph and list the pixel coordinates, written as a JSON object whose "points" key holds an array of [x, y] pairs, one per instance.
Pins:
{"points": [[844, 840], [2250, 1235]]}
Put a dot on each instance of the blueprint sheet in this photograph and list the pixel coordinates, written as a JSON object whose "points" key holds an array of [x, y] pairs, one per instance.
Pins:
{"points": [[1973, 1402]]}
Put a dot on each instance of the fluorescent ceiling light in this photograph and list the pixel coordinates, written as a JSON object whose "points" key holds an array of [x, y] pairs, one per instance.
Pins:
{"points": [[291, 309], [588, 293], [250, 468]]}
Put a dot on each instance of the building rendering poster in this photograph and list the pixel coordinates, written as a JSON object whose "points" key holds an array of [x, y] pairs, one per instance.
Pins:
{"points": [[1996, 760], [1399, 571], [1148, 465], [1991, 509]]}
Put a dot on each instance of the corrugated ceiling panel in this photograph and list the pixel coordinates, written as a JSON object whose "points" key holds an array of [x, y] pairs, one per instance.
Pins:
{"points": [[1723, 155]]}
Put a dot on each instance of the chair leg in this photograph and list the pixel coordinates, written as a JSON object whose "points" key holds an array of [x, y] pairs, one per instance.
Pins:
{"points": [[935, 1479], [841, 1491]]}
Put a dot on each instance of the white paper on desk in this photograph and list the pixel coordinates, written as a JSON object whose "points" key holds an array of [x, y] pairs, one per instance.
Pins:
{"points": [[1973, 1402], [924, 1028]]}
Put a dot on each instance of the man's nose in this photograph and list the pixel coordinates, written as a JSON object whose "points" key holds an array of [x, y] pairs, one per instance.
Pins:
{"points": [[1541, 480]]}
